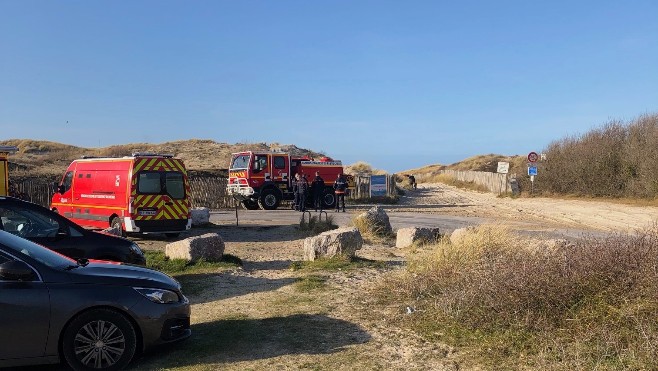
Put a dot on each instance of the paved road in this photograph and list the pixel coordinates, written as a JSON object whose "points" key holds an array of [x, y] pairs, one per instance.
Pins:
{"points": [[445, 223]]}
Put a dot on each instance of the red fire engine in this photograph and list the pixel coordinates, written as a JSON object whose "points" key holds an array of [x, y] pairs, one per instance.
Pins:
{"points": [[142, 193], [265, 179]]}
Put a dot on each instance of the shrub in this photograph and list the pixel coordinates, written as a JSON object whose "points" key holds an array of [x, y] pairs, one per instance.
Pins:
{"points": [[588, 304], [610, 161], [316, 226], [371, 231]]}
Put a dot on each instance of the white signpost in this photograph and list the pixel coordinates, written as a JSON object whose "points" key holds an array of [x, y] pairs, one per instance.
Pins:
{"points": [[503, 168]]}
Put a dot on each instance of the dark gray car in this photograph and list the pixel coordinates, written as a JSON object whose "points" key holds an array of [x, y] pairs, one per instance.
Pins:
{"points": [[45, 227], [89, 314]]}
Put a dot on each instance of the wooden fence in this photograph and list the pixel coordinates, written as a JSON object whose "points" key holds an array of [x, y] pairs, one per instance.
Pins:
{"points": [[205, 191], [362, 187], [494, 182], [210, 192]]}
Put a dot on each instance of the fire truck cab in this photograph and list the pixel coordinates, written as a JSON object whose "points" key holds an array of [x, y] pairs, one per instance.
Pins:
{"points": [[264, 179]]}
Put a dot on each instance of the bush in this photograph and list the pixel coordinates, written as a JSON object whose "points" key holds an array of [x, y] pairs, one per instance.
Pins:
{"points": [[589, 304], [316, 226], [615, 160]]}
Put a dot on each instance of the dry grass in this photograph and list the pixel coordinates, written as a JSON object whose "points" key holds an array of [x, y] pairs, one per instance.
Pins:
{"points": [[363, 168], [517, 303], [316, 226], [371, 232]]}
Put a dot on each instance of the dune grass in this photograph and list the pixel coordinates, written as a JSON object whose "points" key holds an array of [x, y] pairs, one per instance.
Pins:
{"points": [[515, 303]]}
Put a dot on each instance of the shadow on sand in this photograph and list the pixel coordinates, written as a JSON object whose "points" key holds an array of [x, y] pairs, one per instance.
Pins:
{"points": [[235, 340]]}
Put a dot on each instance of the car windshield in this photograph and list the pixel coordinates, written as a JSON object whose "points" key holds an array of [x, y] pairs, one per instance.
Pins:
{"points": [[24, 248], [28, 223], [240, 162]]}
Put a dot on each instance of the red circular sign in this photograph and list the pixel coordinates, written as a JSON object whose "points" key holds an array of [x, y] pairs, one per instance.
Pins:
{"points": [[533, 156]]}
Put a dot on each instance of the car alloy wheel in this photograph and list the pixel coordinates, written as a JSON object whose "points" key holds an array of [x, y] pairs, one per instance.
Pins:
{"points": [[99, 339], [99, 344]]}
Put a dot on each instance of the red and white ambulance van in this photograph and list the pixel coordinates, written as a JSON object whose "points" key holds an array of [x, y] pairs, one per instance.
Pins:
{"points": [[142, 193]]}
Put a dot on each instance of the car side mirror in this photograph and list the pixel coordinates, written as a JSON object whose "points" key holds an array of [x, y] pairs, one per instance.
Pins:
{"points": [[15, 270], [257, 166]]}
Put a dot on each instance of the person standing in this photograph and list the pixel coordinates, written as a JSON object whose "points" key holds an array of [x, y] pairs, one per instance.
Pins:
{"points": [[340, 187], [302, 192], [317, 188], [295, 191], [412, 180]]}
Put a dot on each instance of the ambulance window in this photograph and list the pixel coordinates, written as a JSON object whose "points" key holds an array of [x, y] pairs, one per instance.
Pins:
{"points": [[175, 185], [66, 182], [149, 183], [279, 162]]}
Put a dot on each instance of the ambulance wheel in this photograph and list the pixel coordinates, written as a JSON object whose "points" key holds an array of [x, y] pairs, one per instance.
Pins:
{"points": [[249, 205], [269, 199], [116, 223]]}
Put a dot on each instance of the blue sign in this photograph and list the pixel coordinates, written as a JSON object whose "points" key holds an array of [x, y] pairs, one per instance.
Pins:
{"points": [[378, 186], [532, 170]]}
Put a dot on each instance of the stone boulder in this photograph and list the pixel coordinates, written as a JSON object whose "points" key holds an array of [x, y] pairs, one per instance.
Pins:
{"points": [[409, 236], [376, 221], [457, 236], [200, 216], [342, 241], [209, 246]]}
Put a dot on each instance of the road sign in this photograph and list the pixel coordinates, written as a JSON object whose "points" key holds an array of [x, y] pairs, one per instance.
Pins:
{"points": [[533, 156], [378, 186], [503, 167], [532, 170]]}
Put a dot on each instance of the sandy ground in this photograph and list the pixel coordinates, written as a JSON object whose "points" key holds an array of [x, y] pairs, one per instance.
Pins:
{"points": [[586, 214], [358, 333]]}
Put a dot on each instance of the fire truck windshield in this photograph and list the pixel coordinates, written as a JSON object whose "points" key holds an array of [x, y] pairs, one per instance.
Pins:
{"points": [[240, 162]]}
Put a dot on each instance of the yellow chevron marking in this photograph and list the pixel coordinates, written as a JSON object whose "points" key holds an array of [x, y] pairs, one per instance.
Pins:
{"points": [[138, 166]]}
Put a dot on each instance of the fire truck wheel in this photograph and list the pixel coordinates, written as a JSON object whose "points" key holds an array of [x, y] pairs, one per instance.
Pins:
{"points": [[249, 204], [269, 199], [329, 198], [116, 223]]}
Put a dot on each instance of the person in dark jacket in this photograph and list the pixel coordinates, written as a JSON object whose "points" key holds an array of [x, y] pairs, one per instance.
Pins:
{"points": [[317, 188], [302, 192], [412, 180], [295, 192], [340, 188]]}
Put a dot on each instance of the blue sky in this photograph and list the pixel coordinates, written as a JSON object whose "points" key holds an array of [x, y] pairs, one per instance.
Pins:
{"points": [[398, 84]]}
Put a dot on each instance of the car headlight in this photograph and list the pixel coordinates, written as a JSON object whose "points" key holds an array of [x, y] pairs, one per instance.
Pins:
{"points": [[135, 248], [159, 296]]}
